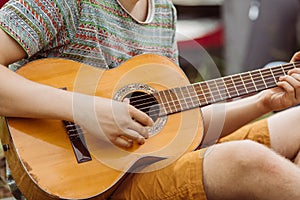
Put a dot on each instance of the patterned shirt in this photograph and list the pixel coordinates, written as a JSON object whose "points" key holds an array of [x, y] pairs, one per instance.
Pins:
{"points": [[95, 32]]}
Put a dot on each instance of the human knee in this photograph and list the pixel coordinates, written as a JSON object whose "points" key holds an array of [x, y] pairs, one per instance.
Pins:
{"points": [[232, 162], [246, 154]]}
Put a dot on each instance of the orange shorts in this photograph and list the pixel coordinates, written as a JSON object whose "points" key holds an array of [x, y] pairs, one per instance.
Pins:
{"points": [[183, 178]]}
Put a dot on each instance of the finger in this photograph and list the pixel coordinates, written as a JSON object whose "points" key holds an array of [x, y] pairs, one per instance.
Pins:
{"points": [[294, 71], [293, 80], [126, 100], [140, 129], [296, 57], [121, 142], [140, 116], [287, 88], [135, 136], [296, 79]]}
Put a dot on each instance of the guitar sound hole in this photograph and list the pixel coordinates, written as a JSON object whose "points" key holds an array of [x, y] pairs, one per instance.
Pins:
{"points": [[145, 102]]}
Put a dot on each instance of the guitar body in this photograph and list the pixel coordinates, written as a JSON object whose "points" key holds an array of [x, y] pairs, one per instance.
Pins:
{"points": [[40, 154]]}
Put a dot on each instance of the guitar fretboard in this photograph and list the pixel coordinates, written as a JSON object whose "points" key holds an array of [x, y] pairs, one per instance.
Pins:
{"points": [[216, 90]]}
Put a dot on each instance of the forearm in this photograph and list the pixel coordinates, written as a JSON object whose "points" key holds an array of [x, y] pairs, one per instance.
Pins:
{"points": [[233, 115], [20, 97]]}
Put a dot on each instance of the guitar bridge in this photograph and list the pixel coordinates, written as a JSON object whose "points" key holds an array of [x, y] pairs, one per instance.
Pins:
{"points": [[77, 140]]}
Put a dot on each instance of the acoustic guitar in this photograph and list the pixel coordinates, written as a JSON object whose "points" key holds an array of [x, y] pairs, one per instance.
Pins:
{"points": [[52, 159]]}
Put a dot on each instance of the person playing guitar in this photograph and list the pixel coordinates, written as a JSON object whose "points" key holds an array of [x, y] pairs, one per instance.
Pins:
{"points": [[76, 124]]}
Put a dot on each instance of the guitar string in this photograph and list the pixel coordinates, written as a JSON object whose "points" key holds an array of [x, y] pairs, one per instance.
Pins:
{"points": [[222, 78], [176, 101], [222, 94], [237, 84], [73, 129], [203, 92]]}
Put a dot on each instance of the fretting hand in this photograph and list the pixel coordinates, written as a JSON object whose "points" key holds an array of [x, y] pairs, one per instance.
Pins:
{"points": [[287, 93]]}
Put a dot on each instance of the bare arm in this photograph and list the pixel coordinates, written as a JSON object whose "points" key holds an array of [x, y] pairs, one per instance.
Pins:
{"points": [[10, 50], [222, 119], [23, 98], [231, 116]]}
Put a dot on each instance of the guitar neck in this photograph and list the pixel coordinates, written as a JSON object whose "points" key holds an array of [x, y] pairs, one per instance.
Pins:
{"points": [[220, 89]]}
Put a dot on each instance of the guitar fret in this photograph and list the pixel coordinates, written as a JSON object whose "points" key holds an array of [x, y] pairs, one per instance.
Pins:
{"points": [[180, 99], [267, 77], [193, 95], [294, 65], [246, 90], [258, 80], [190, 90], [275, 80], [200, 94], [253, 81], [172, 98], [262, 77], [238, 82], [166, 102], [226, 87], [248, 80], [187, 97], [212, 90], [218, 89], [177, 100], [221, 88], [234, 85], [282, 68], [279, 72], [230, 87], [162, 108], [206, 92]]}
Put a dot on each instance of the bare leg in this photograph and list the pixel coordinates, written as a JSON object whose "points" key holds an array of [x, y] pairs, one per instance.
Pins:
{"points": [[284, 130], [297, 159], [248, 170]]}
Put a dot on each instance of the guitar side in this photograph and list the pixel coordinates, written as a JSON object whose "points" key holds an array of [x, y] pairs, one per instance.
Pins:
{"points": [[40, 154]]}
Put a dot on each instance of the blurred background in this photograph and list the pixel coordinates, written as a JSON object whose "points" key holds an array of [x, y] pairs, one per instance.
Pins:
{"points": [[238, 35]]}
